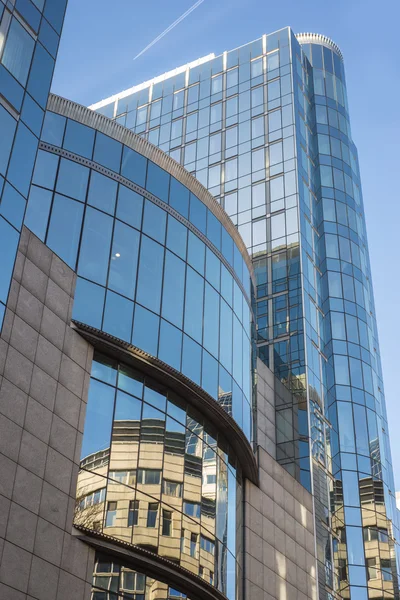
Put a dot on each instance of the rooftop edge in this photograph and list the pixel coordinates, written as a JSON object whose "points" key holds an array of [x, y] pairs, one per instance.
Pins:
{"points": [[318, 38]]}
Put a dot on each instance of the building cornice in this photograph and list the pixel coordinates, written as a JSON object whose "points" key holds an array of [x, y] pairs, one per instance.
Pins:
{"points": [[318, 38], [85, 116]]}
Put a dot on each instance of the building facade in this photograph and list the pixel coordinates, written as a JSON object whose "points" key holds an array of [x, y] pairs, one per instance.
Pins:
{"points": [[128, 388], [175, 418], [266, 129]]}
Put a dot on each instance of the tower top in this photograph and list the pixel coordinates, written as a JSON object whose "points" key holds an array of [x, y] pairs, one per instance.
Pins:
{"points": [[317, 38]]}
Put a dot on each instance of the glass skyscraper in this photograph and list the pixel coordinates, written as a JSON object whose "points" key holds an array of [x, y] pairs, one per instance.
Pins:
{"points": [[266, 129], [191, 402]]}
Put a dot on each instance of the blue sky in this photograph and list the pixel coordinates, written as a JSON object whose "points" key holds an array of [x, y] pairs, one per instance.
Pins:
{"points": [[99, 43]]}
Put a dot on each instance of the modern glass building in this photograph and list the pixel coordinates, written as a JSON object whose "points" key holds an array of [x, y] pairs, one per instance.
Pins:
{"points": [[191, 404], [266, 129], [29, 38]]}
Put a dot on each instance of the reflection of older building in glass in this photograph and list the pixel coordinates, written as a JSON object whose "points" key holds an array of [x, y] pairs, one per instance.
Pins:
{"points": [[168, 482]]}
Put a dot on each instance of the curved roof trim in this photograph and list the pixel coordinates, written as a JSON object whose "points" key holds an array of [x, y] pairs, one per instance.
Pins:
{"points": [[151, 564], [85, 116], [318, 38]]}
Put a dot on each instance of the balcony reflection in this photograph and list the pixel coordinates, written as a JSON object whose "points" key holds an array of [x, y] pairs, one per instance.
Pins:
{"points": [[114, 581]]}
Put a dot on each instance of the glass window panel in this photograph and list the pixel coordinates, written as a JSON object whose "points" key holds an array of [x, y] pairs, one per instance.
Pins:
{"points": [[118, 316], [145, 330], [209, 377], [154, 221], [17, 55], [72, 179], [12, 206], [124, 259], [54, 13], [22, 159], [131, 382], [150, 274], [278, 226], [211, 320], [88, 303], [45, 169], [179, 197], [194, 305], [213, 230], [102, 192], [65, 228], [37, 211], [170, 347], [7, 127], [176, 237], [346, 428], [134, 166], [157, 181], [191, 359], [32, 115], [53, 129], [173, 289], [129, 207], [79, 139], [107, 152], [98, 422], [231, 137], [196, 253], [198, 214], [95, 246], [213, 269], [225, 350], [40, 75], [227, 246]]}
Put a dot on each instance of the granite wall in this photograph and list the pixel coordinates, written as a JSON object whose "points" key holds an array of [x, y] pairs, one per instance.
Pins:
{"points": [[44, 377]]}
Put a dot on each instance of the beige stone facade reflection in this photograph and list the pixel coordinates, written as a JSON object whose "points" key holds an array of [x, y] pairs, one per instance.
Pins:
{"points": [[377, 537], [150, 499]]}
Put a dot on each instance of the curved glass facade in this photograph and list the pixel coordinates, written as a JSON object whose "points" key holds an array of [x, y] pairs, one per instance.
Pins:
{"points": [[155, 474], [343, 361], [266, 128], [112, 580], [155, 267]]}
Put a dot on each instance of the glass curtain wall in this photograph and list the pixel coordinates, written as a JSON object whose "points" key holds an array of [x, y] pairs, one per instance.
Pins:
{"points": [[29, 38], [230, 122], [156, 268], [345, 377], [266, 128]]}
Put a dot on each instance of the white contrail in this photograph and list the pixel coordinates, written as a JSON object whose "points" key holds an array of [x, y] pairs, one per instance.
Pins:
{"points": [[174, 24]]}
